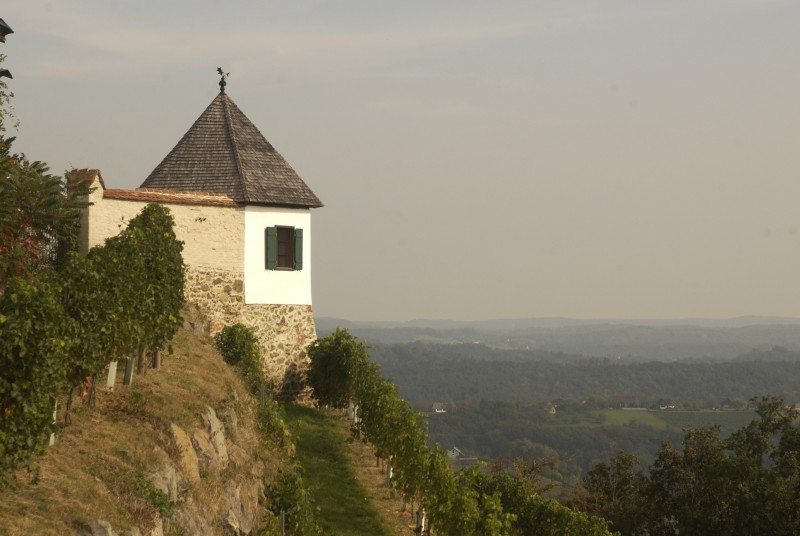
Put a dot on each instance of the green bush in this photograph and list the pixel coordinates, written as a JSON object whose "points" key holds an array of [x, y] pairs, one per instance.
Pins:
{"points": [[236, 343], [288, 493], [154, 496], [239, 347], [274, 432], [162, 274]]}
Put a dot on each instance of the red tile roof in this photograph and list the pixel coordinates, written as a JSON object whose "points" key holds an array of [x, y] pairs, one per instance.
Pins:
{"points": [[88, 175], [171, 197]]}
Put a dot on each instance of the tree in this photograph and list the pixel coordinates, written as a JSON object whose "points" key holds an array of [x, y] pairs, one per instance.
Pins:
{"points": [[612, 490], [334, 360], [39, 215], [39, 212], [745, 484]]}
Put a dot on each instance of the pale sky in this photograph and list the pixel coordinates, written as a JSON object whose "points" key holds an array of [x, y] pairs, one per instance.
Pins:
{"points": [[477, 159]]}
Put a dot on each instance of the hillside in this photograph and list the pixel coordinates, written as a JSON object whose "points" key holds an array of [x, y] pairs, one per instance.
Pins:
{"points": [[178, 452], [427, 373], [626, 340]]}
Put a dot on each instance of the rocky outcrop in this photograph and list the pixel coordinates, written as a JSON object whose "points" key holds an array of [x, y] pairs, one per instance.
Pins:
{"points": [[197, 458], [187, 458], [192, 520], [240, 517], [210, 444], [217, 434], [157, 530], [167, 479], [241, 497], [230, 419]]}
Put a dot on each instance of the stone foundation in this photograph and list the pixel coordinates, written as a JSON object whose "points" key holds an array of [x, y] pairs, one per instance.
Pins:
{"points": [[283, 331]]}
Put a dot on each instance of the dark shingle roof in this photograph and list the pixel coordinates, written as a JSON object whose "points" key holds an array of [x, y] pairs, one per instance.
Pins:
{"points": [[224, 153]]}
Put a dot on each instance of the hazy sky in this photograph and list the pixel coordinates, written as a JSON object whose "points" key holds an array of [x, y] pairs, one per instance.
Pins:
{"points": [[477, 159]]}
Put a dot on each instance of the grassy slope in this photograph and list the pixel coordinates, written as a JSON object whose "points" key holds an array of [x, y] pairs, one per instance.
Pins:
{"points": [[93, 469], [345, 507]]}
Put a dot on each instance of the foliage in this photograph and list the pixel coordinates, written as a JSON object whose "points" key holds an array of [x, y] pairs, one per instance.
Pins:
{"points": [[39, 215], [333, 363], [533, 514], [162, 274], [239, 347], [154, 496], [288, 493], [274, 432], [34, 342], [745, 484], [573, 439], [455, 503], [236, 343], [61, 327], [126, 295], [5, 103]]}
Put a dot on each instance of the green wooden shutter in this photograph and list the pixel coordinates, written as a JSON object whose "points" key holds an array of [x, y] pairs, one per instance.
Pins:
{"points": [[298, 249], [271, 245]]}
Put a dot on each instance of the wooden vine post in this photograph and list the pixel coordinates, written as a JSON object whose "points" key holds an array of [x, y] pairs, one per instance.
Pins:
{"points": [[128, 371]]}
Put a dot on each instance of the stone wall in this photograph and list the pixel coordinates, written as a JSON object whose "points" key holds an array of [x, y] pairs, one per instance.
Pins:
{"points": [[283, 331]]}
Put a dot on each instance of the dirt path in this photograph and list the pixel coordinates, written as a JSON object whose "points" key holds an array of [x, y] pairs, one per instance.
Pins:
{"points": [[374, 480]]}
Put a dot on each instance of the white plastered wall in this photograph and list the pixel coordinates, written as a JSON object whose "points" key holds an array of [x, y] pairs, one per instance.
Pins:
{"points": [[284, 287], [213, 237]]}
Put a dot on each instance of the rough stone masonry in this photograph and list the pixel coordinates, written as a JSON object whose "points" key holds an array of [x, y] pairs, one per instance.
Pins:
{"points": [[283, 331]]}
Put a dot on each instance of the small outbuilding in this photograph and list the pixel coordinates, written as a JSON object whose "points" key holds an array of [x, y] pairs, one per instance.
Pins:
{"points": [[244, 216]]}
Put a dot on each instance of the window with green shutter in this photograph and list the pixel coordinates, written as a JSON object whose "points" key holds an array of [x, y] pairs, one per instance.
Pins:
{"points": [[271, 247], [298, 249], [284, 248]]}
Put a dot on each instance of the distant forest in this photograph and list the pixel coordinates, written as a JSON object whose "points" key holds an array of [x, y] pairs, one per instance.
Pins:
{"points": [[497, 401], [499, 382], [427, 373], [704, 340]]}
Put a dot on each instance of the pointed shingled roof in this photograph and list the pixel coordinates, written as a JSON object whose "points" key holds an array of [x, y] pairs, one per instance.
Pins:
{"points": [[224, 153]]}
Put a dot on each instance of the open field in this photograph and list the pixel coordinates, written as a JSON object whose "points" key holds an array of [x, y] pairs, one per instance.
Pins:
{"points": [[622, 416], [728, 421]]}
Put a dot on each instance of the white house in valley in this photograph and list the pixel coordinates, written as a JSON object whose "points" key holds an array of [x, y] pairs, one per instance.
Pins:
{"points": [[244, 216]]}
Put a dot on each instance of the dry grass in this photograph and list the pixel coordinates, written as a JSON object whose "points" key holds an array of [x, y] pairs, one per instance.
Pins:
{"points": [[92, 470], [389, 505]]}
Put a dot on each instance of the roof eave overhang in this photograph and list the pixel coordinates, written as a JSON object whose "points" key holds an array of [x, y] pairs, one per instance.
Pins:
{"points": [[280, 205]]}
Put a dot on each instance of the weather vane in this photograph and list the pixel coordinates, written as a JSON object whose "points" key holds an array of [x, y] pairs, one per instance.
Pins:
{"points": [[222, 77]]}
